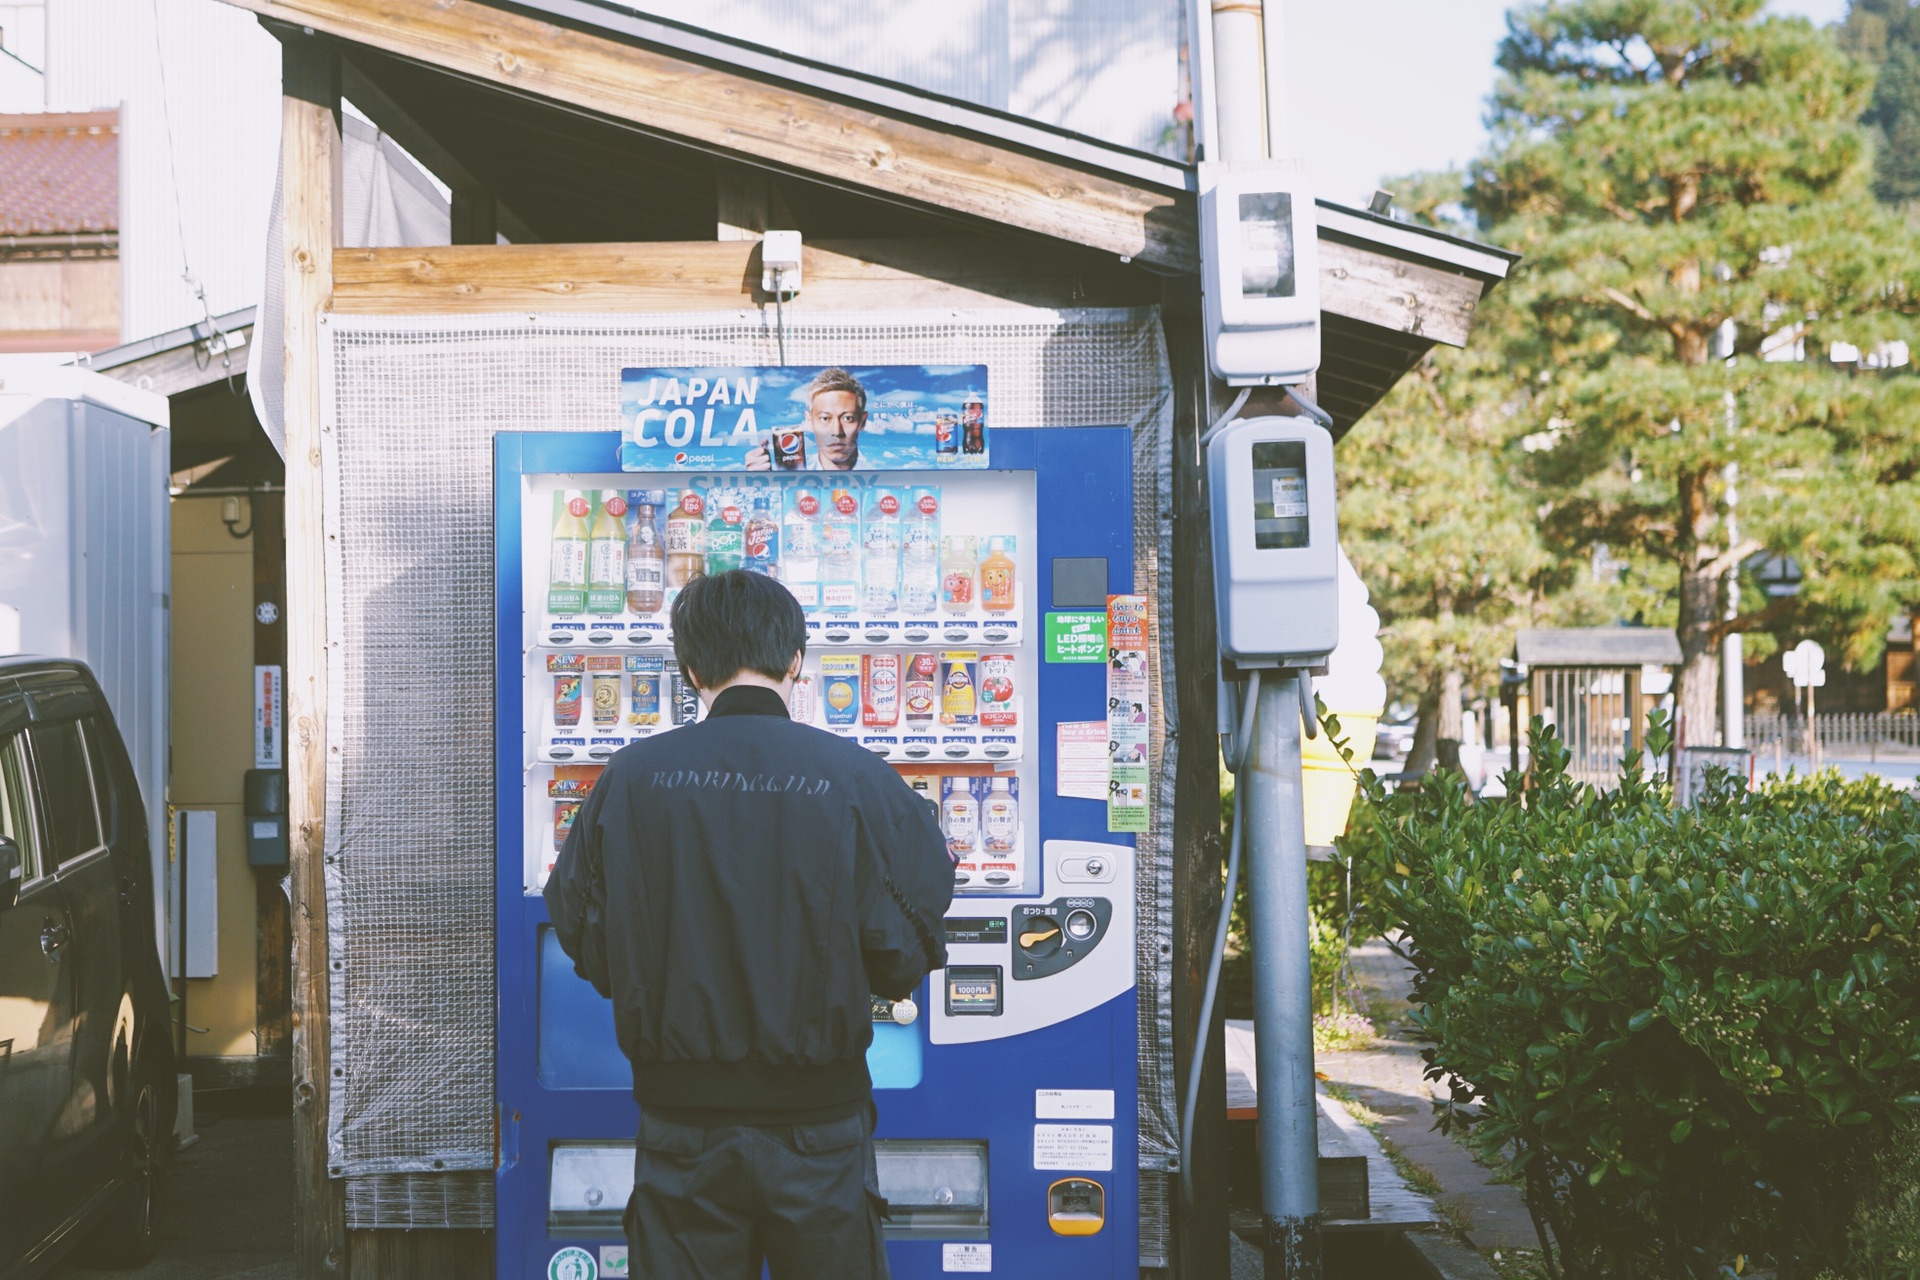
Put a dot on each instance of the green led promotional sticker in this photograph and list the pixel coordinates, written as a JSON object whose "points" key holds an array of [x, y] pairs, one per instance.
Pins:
{"points": [[1077, 637]]}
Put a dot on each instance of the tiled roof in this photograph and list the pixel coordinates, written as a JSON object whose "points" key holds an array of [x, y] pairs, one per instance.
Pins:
{"points": [[59, 173]]}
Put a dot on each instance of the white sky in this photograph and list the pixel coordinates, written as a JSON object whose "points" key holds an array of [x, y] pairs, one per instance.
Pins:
{"points": [[1409, 78]]}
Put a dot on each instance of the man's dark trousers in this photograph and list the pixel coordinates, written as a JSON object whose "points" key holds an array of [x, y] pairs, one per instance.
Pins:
{"points": [[713, 1203]]}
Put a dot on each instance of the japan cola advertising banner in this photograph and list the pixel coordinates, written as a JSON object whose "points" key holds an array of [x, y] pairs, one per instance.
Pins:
{"points": [[804, 418]]}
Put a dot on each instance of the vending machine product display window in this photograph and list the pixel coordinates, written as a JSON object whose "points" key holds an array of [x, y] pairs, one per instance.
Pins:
{"points": [[918, 613], [1007, 1076]]}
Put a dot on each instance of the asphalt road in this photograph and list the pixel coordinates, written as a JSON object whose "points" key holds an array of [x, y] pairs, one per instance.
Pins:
{"points": [[226, 1208]]}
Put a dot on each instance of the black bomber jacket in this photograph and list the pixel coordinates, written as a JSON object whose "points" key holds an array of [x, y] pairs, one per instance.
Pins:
{"points": [[737, 887]]}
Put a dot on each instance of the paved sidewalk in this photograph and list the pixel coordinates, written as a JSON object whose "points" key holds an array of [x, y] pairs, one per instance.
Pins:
{"points": [[1389, 1080], [226, 1207]]}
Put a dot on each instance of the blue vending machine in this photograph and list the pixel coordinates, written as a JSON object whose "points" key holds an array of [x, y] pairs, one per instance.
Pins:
{"points": [[1006, 1085]]}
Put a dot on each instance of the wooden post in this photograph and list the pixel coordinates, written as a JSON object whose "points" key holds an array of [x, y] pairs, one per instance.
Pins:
{"points": [[474, 217], [1201, 1247], [1636, 718], [310, 226]]}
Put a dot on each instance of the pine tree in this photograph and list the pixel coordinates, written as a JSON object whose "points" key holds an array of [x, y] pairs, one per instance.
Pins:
{"points": [[1444, 539], [1674, 172], [1885, 34]]}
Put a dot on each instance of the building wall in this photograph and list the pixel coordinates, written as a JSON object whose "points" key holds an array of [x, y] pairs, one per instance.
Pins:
{"points": [[201, 95], [59, 304], [212, 750]]}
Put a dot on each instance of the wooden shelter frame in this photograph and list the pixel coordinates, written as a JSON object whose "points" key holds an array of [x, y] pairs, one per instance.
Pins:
{"points": [[1038, 230]]}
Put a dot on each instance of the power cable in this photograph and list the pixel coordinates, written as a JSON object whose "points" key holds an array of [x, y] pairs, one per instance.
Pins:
{"points": [[179, 211]]}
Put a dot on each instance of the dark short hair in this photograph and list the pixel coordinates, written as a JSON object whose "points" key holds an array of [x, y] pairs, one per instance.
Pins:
{"points": [[736, 621]]}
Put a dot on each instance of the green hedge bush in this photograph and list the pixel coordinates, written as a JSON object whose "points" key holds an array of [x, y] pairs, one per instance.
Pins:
{"points": [[1685, 1031]]}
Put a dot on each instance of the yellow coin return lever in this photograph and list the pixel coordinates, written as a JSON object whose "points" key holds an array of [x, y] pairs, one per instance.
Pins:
{"points": [[1076, 1207]]}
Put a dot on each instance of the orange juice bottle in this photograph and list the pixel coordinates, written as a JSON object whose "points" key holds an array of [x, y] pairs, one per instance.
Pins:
{"points": [[996, 575]]}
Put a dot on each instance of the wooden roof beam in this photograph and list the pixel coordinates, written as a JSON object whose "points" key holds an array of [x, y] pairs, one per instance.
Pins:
{"points": [[737, 115], [720, 275]]}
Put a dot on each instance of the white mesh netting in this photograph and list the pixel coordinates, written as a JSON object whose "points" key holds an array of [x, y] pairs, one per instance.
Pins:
{"points": [[411, 406]]}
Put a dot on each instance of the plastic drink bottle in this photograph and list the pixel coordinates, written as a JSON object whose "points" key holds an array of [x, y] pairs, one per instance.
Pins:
{"points": [[686, 540], [762, 553], [800, 546], [960, 817], [1000, 818], [996, 575], [567, 565], [839, 566], [646, 562], [607, 553], [726, 531], [920, 553], [957, 565], [880, 551], [973, 426]]}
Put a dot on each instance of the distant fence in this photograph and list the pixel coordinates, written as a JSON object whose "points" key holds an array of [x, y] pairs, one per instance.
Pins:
{"points": [[1840, 733]]}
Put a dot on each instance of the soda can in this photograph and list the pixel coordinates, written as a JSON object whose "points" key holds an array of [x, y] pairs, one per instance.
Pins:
{"points": [[880, 690], [644, 671], [686, 701], [564, 813], [840, 687], [996, 689], [958, 685], [787, 449], [922, 688]]}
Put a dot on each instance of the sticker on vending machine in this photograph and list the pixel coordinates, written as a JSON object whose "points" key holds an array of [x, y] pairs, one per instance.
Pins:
{"points": [[966, 1257]]}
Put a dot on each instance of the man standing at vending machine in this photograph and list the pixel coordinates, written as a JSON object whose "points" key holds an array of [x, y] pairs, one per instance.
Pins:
{"points": [[738, 887]]}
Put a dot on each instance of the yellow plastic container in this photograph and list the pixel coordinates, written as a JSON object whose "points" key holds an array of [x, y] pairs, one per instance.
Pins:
{"points": [[1328, 784]]}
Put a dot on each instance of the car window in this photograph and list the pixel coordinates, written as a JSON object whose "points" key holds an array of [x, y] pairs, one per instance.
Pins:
{"points": [[16, 808], [106, 788], [66, 789]]}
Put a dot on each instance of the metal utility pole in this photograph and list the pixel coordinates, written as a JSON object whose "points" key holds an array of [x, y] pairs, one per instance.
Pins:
{"points": [[1271, 788], [1245, 120]]}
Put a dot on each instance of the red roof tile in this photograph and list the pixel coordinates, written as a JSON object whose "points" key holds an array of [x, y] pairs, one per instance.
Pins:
{"points": [[59, 173]]}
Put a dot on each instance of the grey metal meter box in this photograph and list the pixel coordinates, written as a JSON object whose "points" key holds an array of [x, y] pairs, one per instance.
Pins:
{"points": [[1260, 271], [266, 808], [1276, 552]]}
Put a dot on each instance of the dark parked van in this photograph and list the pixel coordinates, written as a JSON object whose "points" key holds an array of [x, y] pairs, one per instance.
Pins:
{"points": [[87, 1091]]}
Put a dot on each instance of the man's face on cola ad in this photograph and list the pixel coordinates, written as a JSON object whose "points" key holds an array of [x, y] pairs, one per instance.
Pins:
{"points": [[837, 421]]}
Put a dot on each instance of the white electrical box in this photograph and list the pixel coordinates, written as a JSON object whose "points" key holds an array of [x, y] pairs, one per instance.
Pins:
{"points": [[1260, 271], [780, 262], [1276, 546]]}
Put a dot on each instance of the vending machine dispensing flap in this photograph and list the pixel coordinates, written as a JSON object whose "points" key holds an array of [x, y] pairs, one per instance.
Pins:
{"points": [[935, 1186]]}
